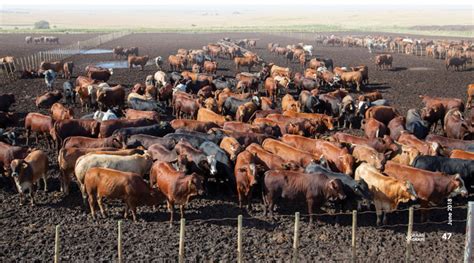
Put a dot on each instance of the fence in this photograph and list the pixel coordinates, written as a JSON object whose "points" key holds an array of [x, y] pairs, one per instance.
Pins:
{"points": [[294, 252], [32, 62]]}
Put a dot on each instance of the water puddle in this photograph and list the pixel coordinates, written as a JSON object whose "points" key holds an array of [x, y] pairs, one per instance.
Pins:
{"points": [[420, 69], [118, 64], [83, 51]]}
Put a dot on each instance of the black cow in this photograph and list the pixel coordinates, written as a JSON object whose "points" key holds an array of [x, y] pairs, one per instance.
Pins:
{"points": [[223, 163], [6, 100], [215, 137], [69, 92], [195, 141], [145, 105], [160, 129], [231, 104]]}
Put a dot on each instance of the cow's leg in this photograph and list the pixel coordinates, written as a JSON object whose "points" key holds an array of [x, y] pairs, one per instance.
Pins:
{"points": [[181, 210], [133, 209], [45, 182], [384, 217], [28, 136], [171, 210], [36, 136], [101, 206], [92, 205], [31, 194]]}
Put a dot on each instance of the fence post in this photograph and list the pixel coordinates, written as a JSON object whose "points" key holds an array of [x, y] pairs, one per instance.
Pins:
{"points": [[469, 233], [239, 239], [56, 245], [354, 226], [119, 241], [181, 241], [296, 237], [409, 234]]}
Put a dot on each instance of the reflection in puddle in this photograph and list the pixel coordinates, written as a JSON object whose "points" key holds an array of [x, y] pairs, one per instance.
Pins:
{"points": [[419, 68], [118, 64]]}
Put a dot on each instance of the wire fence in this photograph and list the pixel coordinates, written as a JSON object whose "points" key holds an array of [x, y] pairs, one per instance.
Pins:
{"points": [[32, 62], [292, 242]]}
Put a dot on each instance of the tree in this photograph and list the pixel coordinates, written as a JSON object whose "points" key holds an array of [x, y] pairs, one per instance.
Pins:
{"points": [[41, 25]]}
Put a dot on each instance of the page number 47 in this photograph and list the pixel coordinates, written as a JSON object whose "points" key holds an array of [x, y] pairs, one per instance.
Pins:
{"points": [[447, 236]]}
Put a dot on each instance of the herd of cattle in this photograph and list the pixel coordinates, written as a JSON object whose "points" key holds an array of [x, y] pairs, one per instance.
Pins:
{"points": [[456, 53], [270, 132], [42, 40]]}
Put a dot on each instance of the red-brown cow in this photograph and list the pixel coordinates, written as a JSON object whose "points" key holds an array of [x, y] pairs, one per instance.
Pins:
{"points": [[245, 172], [38, 123], [59, 112]]}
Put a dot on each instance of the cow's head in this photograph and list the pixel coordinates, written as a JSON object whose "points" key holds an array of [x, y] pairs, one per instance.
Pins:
{"points": [[407, 192], [334, 190], [212, 162], [362, 190], [17, 167], [195, 185], [458, 186], [347, 164]]}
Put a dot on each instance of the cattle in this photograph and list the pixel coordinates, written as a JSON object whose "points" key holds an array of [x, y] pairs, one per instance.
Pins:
{"points": [[338, 158], [108, 127], [56, 66], [460, 154], [388, 192], [245, 111], [371, 96], [132, 114], [136, 163], [380, 144], [373, 128], [456, 63], [130, 51], [290, 153], [68, 67], [48, 99], [425, 148], [210, 67], [162, 153], [59, 112], [433, 114], [396, 126], [160, 129], [87, 142], [231, 146], [316, 188], [66, 128], [159, 62], [245, 172], [176, 186], [364, 153], [111, 97], [208, 115], [354, 77], [38, 123], [193, 125], [309, 103], [6, 100], [193, 159], [451, 144], [142, 104], [383, 114], [315, 63], [248, 62], [271, 161], [448, 103], [447, 165], [231, 104], [470, 95], [288, 103], [289, 125], [145, 141], [455, 126], [176, 63], [127, 186], [98, 73], [69, 93], [7, 119], [186, 105], [118, 51], [405, 155], [416, 125], [328, 121], [8, 153], [430, 187], [356, 191], [27, 172], [137, 61], [383, 61], [363, 69], [101, 116]]}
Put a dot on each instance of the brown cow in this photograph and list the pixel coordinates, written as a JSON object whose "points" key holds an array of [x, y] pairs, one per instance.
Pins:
{"points": [[460, 154], [448, 103], [430, 187], [380, 144], [193, 125], [8, 153], [383, 114], [59, 112], [396, 126], [67, 128], [231, 146], [189, 106], [364, 153], [248, 62], [98, 73], [271, 161], [339, 159], [67, 69], [245, 111], [371, 96], [328, 121], [245, 172], [56, 66], [425, 148], [113, 184], [38, 123], [48, 99], [383, 61], [111, 97], [28, 171], [315, 63], [208, 115], [176, 186], [137, 61], [290, 153], [316, 188], [87, 142], [405, 155], [455, 126], [373, 128], [354, 77], [176, 63], [288, 103], [210, 67], [470, 95], [131, 114], [365, 73]]}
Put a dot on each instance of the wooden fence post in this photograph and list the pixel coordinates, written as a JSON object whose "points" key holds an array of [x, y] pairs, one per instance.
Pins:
{"points": [[296, 237], [181, 241], [119, 241], [239, 239], [56, 245], [409, 234], [469, 233], [354, 227]]}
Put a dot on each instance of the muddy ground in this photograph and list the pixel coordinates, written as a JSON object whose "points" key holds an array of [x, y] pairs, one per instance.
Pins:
{"points": [[27, 233]]}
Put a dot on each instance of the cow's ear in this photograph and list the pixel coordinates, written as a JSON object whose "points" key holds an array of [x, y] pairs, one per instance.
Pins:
{"points": [[24, 165], [333, 184]]}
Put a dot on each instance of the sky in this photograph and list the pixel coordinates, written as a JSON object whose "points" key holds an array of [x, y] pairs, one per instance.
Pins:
{"points": [[26, 3]]}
